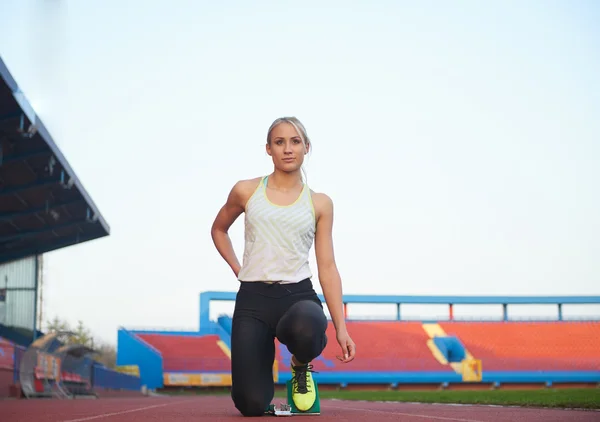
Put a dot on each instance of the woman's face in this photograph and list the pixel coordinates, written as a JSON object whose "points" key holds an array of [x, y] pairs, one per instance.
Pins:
{"points": [[286, 148]]}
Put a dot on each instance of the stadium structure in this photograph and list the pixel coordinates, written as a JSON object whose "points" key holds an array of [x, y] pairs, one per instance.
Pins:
{"points": [[43, 207], [398, 353]]}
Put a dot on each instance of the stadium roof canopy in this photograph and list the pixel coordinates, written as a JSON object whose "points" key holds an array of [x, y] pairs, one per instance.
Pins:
{"points": [[43, 206]]}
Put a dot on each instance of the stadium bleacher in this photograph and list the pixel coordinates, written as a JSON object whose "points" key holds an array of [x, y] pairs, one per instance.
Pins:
{"points": [[388, 346], [390, 352], [531, 346], [180, 353]]}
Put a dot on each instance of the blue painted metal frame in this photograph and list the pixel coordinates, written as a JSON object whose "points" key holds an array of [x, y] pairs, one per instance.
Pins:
{"points": [[209, 296], [444, 300]]}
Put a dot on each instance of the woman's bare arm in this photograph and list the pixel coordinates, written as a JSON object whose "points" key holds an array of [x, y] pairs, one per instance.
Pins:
{"points": [[329, 276], [233, 208]]}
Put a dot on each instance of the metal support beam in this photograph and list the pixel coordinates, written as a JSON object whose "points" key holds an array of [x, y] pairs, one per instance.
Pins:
{"points": [[9, 116], [47, 247], [25, 156], [35, 185], [560, 313], [7, 216], [24, 234], [31, 130], [19, 289], [35, 297]]}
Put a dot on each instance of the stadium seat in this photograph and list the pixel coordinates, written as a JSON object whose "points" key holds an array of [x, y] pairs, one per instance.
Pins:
{"points": [[189, 353], [382, 346], [531, 346]]}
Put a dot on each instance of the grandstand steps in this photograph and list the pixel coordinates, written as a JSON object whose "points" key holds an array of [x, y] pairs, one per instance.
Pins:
{"points": [[448, 350], [224, 348]]}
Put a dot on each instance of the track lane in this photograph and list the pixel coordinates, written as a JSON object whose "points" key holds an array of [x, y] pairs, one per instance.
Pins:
{"points": [[221, 409]]}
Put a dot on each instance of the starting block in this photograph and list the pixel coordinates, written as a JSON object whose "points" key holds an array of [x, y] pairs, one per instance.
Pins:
{"points": [[289, 408]]}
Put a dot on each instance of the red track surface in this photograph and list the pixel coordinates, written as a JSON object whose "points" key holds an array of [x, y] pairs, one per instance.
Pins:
{"points": [[184, 409]]}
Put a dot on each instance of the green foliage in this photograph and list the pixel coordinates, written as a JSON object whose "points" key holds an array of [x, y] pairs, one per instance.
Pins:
{"points": [[57, 325], [107, 355], [80, 334]]}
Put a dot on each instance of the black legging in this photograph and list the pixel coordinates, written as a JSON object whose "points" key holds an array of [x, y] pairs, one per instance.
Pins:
{"points": [[291, 312]]}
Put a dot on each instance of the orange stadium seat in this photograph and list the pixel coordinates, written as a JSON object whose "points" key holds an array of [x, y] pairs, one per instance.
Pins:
{"points": [[531, 346], [382, 346], [189, 353]]}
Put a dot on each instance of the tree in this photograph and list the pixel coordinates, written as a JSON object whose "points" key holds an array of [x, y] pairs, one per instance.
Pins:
{"points": [[81, 335], [106, 354], [78, 335], [57, 325]]}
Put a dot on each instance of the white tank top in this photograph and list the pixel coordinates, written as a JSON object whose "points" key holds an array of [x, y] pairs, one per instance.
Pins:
{"points": [[277, 238]]}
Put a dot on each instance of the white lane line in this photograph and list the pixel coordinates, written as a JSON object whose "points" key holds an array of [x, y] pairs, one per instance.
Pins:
{"points": [[123, 412], [414, 415]]}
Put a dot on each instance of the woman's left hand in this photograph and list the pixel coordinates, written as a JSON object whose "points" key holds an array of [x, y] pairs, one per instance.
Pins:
{"points": [[347, 345]]}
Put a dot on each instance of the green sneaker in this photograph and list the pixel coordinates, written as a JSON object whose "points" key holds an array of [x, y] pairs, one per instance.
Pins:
{"points": [[303, 387]]}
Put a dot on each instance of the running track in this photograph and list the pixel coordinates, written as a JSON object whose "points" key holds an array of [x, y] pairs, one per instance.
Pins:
{"points": [[217, 409]]}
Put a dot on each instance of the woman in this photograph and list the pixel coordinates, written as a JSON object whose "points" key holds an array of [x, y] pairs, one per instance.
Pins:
{"points": [[276, 296]]}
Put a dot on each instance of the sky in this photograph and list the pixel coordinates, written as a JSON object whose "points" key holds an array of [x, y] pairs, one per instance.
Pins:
{"points": [[459, 142]]}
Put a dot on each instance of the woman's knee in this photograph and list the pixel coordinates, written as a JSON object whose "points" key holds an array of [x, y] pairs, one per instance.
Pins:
{"points": [[307, 312], [249, 403], [302, 330], [304, 318]]}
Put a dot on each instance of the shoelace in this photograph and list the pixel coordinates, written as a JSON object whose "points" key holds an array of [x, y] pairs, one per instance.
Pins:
{"points": [[300, 378]]}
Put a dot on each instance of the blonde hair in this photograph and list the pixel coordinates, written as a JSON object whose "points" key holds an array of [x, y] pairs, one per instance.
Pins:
{"points": [[301, 131]]}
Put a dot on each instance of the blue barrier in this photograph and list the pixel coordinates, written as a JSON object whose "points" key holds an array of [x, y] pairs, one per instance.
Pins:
{"points": [[134, 351], [407, 377], [437, 377], [107, 378]]}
